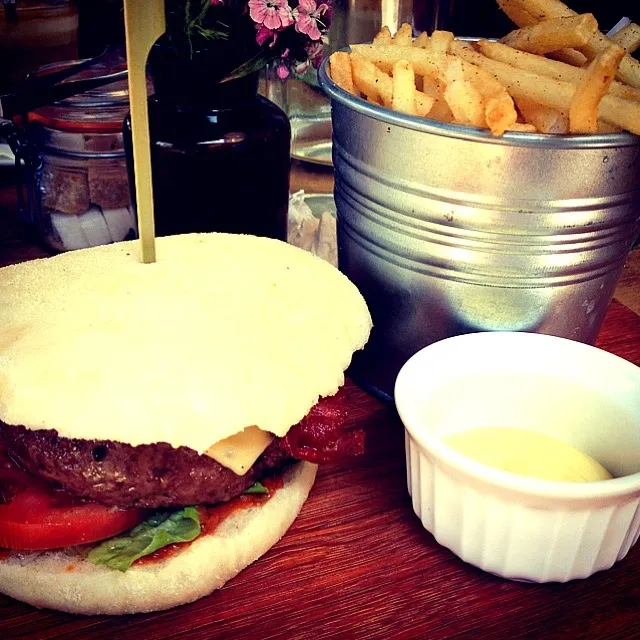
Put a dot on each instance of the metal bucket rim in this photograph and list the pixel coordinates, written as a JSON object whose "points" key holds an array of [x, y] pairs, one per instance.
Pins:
{"points": [[465, 132]]}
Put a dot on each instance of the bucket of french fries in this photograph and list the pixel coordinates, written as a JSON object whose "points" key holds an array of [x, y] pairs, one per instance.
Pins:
{"points": [[485, 186]]}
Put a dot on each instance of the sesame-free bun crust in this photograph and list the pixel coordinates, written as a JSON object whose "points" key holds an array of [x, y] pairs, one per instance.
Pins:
{"points": [[57, 580], [221, 333]]}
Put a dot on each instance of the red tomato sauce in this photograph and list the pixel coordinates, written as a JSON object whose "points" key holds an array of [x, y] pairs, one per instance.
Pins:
{"points": [[211, 517]]}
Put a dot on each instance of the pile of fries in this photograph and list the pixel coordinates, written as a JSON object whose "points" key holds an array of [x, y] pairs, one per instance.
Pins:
{"points": [[557, 73]]}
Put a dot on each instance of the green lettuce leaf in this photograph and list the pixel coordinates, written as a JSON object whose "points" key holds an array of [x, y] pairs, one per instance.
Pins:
{"points": [[158, 531], [257, 489]]}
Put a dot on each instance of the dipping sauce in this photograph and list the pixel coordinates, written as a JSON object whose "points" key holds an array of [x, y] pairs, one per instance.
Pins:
{"points": [[528, 453]]}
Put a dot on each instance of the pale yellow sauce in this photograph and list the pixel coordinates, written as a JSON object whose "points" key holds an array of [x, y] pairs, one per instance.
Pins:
{"points": [[528, 453]]}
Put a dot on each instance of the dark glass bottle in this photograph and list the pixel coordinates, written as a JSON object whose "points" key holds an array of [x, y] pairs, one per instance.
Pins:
{"points": [[219, 151]]}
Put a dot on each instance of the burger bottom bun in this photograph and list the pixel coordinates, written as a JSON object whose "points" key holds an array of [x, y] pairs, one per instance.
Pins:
{"points": [[67, 582]]}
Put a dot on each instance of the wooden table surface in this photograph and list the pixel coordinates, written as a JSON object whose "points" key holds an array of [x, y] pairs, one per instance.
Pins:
{"points": [[357, 562]]}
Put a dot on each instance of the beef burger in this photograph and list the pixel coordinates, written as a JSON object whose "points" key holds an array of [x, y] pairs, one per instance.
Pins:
{"points": [[160, 424]]}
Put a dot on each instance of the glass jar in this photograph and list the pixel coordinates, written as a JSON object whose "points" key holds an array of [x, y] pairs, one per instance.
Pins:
{"points": [[219, 151], [34, 33], [77, 180]]}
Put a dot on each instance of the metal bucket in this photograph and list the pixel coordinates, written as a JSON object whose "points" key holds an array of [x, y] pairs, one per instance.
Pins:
{"points": [[447, 229]]}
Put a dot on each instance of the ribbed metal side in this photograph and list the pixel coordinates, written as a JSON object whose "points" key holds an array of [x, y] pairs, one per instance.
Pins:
{"points": [[447, 230]]}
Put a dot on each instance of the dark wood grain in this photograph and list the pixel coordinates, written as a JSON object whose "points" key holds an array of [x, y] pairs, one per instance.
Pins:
{"points": [[358, 564]]}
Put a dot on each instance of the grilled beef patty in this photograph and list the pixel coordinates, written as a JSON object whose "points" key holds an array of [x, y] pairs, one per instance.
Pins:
{"points": [[149, 475], [158, 475]]}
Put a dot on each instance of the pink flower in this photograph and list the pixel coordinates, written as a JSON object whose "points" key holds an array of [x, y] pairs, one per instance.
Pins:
{"points": [[282, 71], [314, 53], [283, 66], [272, 14], [264, 34], [307, 16], [215, 2]]}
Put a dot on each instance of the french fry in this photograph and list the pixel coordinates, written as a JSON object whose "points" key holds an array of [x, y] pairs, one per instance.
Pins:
{"points": [[552, 35], [546, 67], [383, 36], [552, 93], [544, 119], [523, 127], [464, 100], [516, 13], [440, 41], [628, 37], [629, 68], [570, 56], [441, 111], [423, 104], [404, 35], [374, 83], [432, 87], [547, 9], [465, 103], [583, 112], [340, 70], [454, 70], [422, 41], [464, 44], [511, 85], [404, 88], [522, 18], [486, 84], [500, 113], [384, 57]]}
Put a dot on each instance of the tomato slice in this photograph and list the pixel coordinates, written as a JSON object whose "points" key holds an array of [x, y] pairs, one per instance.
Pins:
{"points": [[34, 516]]}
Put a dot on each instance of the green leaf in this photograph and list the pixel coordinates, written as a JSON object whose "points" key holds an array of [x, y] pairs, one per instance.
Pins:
{"points": [[211, 34], [257, 489], [161, 529], [251, 66]]}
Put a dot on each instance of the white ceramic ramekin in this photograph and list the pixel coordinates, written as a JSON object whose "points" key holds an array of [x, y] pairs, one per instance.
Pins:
{"points": [[513, 526]]}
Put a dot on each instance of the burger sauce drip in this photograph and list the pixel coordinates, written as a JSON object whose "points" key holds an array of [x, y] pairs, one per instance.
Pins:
{"points": [[321, 436], [211, 517]]}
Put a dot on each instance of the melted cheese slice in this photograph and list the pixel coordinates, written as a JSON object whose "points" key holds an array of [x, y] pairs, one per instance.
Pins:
{"points": [[240, 451]]}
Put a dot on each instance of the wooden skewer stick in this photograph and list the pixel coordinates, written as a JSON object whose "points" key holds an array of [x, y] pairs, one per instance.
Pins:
{"points": [[144, 24]]}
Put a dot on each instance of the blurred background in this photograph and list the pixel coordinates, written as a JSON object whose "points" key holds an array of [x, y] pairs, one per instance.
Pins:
{"points": [[483, 17], [36, 32]]}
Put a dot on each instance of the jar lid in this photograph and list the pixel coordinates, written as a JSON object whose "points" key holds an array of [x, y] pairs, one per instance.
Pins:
{"points": [[24, 5], [100, 110], [30, 9]]}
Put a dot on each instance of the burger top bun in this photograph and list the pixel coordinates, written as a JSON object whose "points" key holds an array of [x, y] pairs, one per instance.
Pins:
{"points": [[64, 580], [221, 333]]}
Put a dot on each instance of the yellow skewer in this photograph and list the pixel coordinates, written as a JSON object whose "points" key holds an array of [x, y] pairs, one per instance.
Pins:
{"points": [[144, 24]]}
